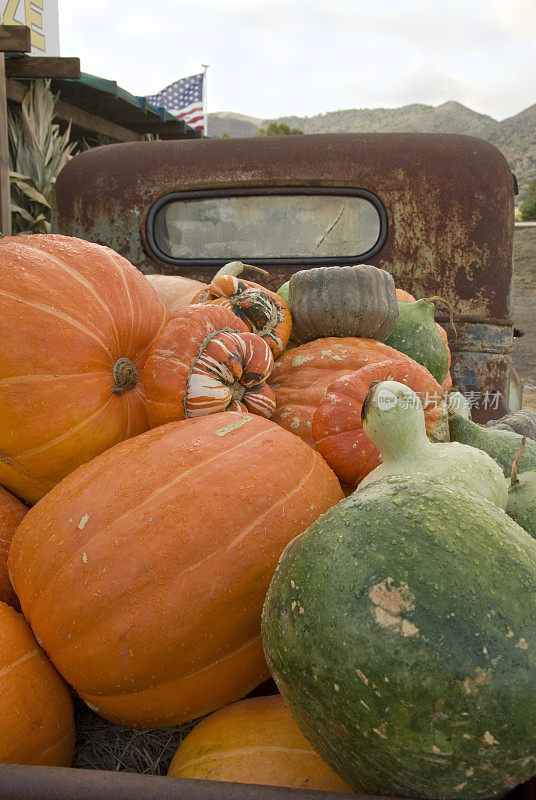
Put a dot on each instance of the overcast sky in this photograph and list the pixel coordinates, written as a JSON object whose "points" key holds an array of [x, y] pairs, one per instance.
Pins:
{"points": [[271, 58]]}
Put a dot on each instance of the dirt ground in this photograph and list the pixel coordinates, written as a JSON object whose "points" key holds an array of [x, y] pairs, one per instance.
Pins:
{"points": [[524, 355]]}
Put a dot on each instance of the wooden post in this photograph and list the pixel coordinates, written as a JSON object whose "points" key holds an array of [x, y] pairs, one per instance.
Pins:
{"points": [[5, 192], [14, 39]]}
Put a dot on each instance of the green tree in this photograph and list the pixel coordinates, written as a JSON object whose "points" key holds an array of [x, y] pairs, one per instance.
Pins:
{"points": [[277, 129], [528, 206]]}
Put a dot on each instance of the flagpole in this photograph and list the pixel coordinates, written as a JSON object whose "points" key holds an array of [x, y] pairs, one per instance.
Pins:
{"points": [[205, 115]]}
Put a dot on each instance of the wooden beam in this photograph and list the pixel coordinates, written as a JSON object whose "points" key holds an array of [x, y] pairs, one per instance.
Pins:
{"points": [[78, 117], [42, 67], [5, 190], [15, 39], [150, 126]]}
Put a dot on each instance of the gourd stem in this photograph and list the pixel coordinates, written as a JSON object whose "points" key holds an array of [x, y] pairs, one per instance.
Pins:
{"points": [[235, 268], [515, 463], [438, 299], [125, 375]]}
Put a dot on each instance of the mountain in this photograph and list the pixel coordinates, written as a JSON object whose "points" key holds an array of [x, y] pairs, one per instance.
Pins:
{"points": [[234, 125], [515, 136]]}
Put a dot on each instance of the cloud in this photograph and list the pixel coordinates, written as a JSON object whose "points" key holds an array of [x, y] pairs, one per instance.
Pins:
{"points": [[272, 58], [517, 18]]}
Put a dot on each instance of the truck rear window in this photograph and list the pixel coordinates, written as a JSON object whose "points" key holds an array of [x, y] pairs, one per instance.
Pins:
{"points": [[324, 226]]}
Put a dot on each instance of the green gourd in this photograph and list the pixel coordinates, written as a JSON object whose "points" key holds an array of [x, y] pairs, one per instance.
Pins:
{"points": [[400, 628], [522, 502], [283, 291], [501, 445], [393, 420], [358, 300], [522, 495], [522, 421], [415, 333]]}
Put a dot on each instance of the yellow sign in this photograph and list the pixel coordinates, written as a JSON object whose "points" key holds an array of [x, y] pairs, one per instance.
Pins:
{"points": [[41, 16]]}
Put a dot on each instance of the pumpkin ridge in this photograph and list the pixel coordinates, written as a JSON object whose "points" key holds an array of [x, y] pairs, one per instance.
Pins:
{"points": [[64, 436], [65, 317], [159, 491], [133, 317], [236, 751], [205, 668], [36, 377], [56, 744], [21, 660], [40, 254], [284, 499]]}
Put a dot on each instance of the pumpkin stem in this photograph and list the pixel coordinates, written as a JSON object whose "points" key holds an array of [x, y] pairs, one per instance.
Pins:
{"points": [[448, 305], [236, 268], [125, 375], [513, 475]]}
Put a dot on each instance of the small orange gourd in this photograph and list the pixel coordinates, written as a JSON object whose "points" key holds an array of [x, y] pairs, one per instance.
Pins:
{"points": [[206, 360], [254, 741], [264, 312]]}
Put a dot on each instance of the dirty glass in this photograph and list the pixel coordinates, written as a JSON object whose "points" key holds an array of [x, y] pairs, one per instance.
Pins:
{"points": [[267, 226]]}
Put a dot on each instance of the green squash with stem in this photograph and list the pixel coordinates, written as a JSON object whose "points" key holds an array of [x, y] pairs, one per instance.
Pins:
{"points": [[415, 333]]}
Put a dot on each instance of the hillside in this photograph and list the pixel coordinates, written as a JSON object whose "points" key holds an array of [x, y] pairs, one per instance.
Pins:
{"points": [[515, 136]]}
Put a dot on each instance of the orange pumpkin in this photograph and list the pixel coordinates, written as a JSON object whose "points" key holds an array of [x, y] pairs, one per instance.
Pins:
{"points": [[36, 709], [404, 296], [264, 312], [206, 360], [144, 572], [301, 376], [254, 741], [337, 426], [11, 513], [77, 321], [174, 291]]}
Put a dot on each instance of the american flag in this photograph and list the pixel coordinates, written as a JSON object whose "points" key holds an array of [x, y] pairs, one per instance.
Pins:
{"points": [[183, 99]]}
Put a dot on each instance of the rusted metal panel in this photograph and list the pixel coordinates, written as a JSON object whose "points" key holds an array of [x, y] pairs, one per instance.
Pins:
{"points": [[449, 200], [481, 355]]}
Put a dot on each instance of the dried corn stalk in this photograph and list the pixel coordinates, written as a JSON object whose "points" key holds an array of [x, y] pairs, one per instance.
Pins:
{"points": [[37, 152]]}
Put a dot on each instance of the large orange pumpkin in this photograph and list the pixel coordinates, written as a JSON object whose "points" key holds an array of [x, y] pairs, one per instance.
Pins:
{"points": [[76, 322], [11, 513], [254, 741], [144, 572], [301, 376], [337, 427], [36, 710]]}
